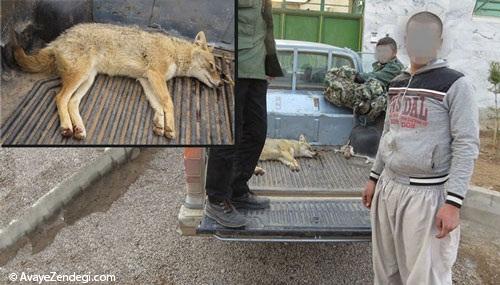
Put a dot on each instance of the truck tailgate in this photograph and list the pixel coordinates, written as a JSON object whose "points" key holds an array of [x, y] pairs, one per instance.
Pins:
{"points": [[115, 112], [299, 219], [321, 202]]}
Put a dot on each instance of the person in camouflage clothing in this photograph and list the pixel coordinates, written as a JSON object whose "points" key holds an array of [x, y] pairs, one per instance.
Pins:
{"points": [[365, 93], [367, 99]]}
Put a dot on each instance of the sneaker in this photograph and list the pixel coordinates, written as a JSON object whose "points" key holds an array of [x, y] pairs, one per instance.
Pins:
{"points": [[250, 201], [225, 214]]}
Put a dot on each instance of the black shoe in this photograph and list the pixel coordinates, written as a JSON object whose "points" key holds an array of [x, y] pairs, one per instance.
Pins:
{"points": [[225, 214], [250, 201]]}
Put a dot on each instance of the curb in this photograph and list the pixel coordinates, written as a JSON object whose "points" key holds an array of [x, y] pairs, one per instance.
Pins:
{"points": [[483, 206], [62, 193]]}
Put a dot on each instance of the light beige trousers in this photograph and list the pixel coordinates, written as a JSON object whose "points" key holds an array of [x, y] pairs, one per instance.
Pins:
{"points": [[404, 243]]}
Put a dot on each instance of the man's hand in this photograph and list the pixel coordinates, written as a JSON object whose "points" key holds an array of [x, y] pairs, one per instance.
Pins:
{"points": [[447, 219], [368, 193]]}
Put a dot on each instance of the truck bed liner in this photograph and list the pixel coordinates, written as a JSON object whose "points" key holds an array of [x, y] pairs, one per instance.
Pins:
{"points": [[116, 112], [329, 173]]}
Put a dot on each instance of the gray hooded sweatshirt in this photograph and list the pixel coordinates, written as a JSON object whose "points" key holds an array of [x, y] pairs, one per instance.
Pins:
{"points": [[431, 131]]}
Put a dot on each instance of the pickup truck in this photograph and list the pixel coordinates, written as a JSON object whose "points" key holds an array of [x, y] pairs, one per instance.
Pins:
{"points": [[321, 202]]}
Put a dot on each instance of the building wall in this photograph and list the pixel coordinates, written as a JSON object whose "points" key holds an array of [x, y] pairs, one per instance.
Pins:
{"points": [[470, 43], [340, 6]]}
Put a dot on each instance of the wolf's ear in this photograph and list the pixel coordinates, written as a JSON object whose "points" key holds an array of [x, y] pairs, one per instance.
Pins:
{"points": [[201, 40], [302, 138]]}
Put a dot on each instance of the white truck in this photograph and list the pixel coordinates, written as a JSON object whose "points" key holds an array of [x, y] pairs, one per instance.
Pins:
{"points": [[322, 201]]}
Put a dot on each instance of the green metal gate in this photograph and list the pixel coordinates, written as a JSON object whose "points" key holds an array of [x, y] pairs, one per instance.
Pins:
{"points": [[338, 29]]}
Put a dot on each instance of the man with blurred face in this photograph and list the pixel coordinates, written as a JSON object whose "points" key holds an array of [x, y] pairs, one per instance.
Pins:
{"points": [[387, 65], [365, 92], [423, 165]]}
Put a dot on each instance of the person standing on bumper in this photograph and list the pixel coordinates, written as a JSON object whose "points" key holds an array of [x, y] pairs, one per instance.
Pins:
{"points": [[423, 165], [230, 168]]}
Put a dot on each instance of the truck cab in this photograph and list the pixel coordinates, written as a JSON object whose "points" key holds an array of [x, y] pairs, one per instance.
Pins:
{"points": [[322, 201]]}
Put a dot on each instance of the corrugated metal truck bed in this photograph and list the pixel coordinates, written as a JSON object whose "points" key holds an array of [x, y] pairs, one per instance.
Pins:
{"points": [[329, 173], [116, 112]]}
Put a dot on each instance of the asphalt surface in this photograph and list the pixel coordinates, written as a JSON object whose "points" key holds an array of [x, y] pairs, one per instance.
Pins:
{"points": [[125, 225], [26, 174]]}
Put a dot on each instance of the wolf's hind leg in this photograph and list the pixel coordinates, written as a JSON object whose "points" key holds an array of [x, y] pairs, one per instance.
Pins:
{"points": [[159, 117], [71, 80], [74, 105], [289, 160], [160, 89]]}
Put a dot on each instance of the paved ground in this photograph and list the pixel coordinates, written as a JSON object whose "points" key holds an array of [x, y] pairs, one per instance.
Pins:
{"points": [[126, 225], [28, 173]]}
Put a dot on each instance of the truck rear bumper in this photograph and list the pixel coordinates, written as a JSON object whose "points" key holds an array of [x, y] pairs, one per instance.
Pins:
{"points": [[299, 219]]}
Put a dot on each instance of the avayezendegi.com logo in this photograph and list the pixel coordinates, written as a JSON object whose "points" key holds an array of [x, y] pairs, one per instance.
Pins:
{"points": [[55, 277]]}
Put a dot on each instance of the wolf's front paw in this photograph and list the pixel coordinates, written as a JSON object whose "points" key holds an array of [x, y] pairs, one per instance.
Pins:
{"points": [[66, 132], [158, 125], [79, 133], [259, 171], [169, 132], [170, 135], [294, 168], [158, 131]]}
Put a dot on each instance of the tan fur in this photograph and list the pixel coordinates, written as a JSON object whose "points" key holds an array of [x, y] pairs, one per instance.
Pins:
{"points": [[42, 61], [285, 151], [86, 50]]}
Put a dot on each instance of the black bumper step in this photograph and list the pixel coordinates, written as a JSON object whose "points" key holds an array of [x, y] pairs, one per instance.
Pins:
{"points": [[299, 220]]}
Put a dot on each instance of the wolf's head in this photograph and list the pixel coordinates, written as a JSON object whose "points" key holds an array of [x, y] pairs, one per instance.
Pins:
{"points": [[203, 65], [305, 149]]}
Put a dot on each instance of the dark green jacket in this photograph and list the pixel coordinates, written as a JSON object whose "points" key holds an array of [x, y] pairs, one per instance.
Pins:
{"points": [[384, 72], [256, 46]]}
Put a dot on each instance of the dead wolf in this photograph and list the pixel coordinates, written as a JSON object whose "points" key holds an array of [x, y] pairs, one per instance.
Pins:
{"points": [[85, 50], [285, 151]]}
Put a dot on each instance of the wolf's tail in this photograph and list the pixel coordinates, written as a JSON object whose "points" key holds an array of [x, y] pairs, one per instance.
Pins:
{"points": [[41, 61]]}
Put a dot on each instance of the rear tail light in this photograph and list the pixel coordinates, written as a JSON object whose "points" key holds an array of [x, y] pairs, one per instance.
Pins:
{"points": [[193, 161]]}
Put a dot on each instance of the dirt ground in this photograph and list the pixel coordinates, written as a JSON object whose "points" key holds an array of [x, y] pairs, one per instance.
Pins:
{"points": [[479, 254], [487, 170]]}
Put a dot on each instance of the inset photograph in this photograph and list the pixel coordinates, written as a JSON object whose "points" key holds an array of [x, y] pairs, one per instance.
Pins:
{"points": [[105, 72]]}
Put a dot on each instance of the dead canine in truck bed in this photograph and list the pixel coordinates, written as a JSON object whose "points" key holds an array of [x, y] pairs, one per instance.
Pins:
{"points": [[85, 50], [285, 151]]}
